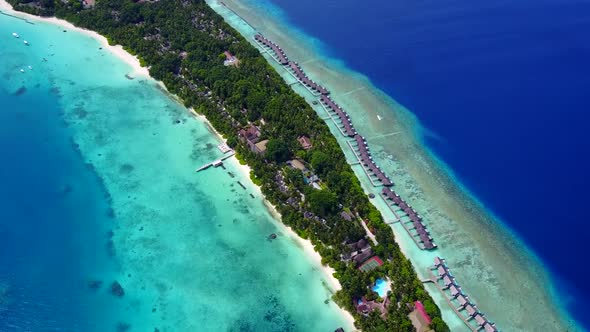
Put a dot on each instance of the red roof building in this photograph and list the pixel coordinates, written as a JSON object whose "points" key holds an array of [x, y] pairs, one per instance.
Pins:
{"points": [[420, 308], [305, 142]]}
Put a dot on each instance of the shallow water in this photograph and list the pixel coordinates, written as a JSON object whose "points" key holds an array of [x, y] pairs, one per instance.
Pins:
{"points": [[99, 185], [485, 256]]}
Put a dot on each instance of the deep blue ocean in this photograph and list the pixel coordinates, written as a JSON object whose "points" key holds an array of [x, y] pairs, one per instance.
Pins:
{"points": [[53, 218], [503, 89]]}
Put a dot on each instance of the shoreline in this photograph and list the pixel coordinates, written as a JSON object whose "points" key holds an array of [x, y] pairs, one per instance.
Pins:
{"points": [[137, 70], [116, 50], [456, 216], [305, 245]]}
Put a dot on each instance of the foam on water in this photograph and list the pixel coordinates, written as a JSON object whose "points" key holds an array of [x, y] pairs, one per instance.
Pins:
{"points": [[189, 249]]}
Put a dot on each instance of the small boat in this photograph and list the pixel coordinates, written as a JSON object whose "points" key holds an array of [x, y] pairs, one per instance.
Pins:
{"points": [[26, 42], [22, 70], [15, 35], [379, 117], [30, 68]]}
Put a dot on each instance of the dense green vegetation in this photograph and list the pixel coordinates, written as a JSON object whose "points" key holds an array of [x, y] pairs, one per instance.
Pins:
{"points": [[182, 42]]}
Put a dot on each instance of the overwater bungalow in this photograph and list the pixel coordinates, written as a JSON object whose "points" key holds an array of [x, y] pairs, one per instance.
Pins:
{"points": [[348, 127], [471, 309], [438, 261], [420, 226], [421, 230], [490, 327], [480, 319], [448, 281], [442, 270], [463, 301], [455, 290], [279, 53], [302, 77], [366, 159], [427, 241]]}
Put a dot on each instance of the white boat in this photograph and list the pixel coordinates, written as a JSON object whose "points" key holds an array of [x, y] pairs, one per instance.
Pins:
{"points": [[15, 35], [26, 42], [379, 117], [22, 70], [30, 67]]}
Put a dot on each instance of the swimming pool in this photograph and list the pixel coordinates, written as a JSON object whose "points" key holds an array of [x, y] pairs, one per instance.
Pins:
{"points": [[381, 287]]}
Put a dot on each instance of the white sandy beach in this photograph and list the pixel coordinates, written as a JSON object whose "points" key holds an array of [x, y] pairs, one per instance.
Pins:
{"points": [[306, 245], [137, 70], [116, 50]]}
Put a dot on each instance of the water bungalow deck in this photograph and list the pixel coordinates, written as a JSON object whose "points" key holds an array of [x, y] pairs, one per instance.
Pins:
{"points": [[422, 237], [300, 75], [464, 308], [366, 161], [345, 126], [279, 55], [293, 68]]}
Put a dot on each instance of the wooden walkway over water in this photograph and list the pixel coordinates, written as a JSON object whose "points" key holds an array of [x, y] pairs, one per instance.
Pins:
{"points": [[482, 323], [215, 163]]}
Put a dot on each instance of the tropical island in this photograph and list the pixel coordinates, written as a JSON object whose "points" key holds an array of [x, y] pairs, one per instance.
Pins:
{"points": [[294, 158]]}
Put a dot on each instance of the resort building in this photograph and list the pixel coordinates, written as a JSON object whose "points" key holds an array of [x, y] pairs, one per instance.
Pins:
{"points": [[305, 142], [260, 147], [297, 164], [230, 59], [420, 318], [362, 255], [346, 216], [250, 136], [364, 306]]}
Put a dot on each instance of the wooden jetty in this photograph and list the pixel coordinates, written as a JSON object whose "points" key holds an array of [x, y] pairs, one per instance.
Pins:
{"points": [[277, 52], [292, 67], [309, 84], [363, 155], [334, 111], [464, 308], [215, 163], [422, 237]]}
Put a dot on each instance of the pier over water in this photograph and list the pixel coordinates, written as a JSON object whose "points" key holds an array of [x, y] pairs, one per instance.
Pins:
{"points": [[216, 163], [358, 144]]}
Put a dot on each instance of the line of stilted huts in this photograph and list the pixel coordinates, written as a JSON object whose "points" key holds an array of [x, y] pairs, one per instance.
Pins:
{"points": [[408, 217]]}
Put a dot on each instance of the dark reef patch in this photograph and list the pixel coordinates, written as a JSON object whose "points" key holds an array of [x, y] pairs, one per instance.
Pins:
{"points": [[20, 91], [94, 284], [80, 112], [123, 327], [117, 290], [126, 168]]}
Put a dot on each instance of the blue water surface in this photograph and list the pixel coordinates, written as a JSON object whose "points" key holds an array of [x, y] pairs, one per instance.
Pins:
{"points": [[379, 287], [504, 87], [54, 216]]}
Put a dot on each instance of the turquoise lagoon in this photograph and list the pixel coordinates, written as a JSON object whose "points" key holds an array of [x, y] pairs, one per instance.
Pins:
{"points": [[102, 184]]}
